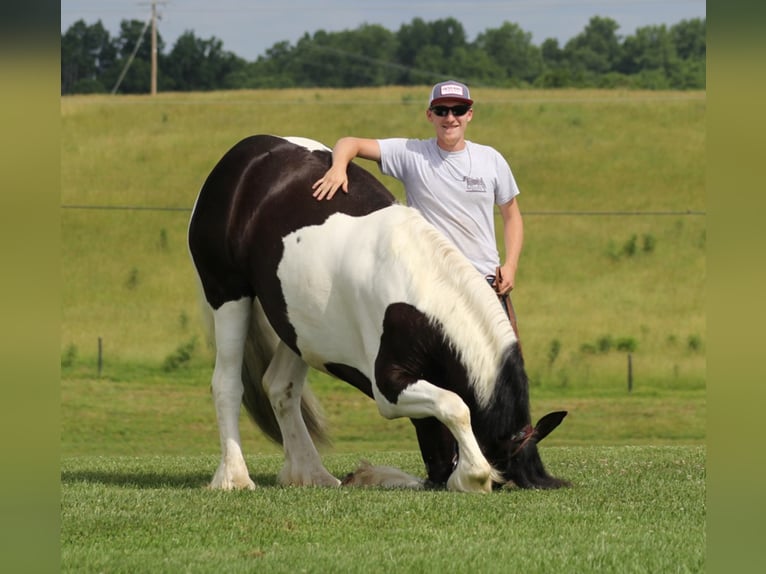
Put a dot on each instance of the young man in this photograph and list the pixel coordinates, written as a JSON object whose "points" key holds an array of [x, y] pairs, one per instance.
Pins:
{"points": [[453, 182]]}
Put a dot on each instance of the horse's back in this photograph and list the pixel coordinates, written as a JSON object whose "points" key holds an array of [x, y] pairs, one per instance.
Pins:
{"points": [[258, 194]]}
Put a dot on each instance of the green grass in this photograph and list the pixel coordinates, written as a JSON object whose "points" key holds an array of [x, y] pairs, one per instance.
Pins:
{"points": [[139, 442], [127, 277], [631, 509], [145, 413]]}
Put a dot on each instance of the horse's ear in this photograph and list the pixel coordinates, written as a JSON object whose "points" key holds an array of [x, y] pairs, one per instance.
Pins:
{"points": [[546, 424]]}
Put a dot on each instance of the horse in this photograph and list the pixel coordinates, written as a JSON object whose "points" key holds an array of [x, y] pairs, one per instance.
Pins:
{"points": [[364, 289]]}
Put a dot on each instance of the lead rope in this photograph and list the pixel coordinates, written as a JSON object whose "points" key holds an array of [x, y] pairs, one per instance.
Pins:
{"points": [[505, 300]]}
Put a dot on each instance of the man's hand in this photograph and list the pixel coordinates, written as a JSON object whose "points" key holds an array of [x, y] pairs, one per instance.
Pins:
{"points": [[326, 186], [505, 279]]}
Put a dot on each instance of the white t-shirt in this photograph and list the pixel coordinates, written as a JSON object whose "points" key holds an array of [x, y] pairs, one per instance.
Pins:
{"points": [[455, 191]]}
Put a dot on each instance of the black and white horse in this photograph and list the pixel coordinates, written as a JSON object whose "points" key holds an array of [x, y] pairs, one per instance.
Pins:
{"points": [[364, 289]]}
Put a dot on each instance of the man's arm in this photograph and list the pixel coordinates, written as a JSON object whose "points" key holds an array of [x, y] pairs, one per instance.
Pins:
{"points": [[345, 150], [513, 237]]}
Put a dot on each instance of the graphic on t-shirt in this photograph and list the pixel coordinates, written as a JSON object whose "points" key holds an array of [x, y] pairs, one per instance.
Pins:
{"points": [[475, 184]]}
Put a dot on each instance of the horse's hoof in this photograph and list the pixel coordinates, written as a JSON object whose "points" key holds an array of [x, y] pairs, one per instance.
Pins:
{"points": [[223, 482], [318, 478]]}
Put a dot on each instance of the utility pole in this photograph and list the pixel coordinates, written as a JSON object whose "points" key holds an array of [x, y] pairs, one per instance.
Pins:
{"points": [[155, 17], [154, 48]]}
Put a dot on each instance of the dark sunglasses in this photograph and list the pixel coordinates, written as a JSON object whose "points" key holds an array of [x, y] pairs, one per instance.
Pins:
{"points": [[457, 111]]}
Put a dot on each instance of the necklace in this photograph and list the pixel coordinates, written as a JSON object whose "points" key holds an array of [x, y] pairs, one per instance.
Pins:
{"points": [[450, 169]]}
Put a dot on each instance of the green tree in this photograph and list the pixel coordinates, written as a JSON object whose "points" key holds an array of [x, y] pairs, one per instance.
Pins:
{"points": [[197, 64], [268, 71], [555, 72], [360, 57], [424, 49], [689, 38], [597, 49], [86, 54], [511, 49], [650, 49], [137, 78]]}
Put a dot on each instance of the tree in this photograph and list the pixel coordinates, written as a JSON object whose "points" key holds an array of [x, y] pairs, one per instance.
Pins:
{"points": [[197, 64], [427, 47], [597, 49], [420, 52], [137, 78], [689, 38], [651, 48], [512, 50], [86, 54]]}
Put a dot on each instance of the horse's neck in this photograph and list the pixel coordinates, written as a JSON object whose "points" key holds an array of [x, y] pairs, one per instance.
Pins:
{"points": [[445, 286]]}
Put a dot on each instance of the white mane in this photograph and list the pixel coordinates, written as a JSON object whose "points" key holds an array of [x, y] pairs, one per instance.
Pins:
{"points": [[446, 287]]}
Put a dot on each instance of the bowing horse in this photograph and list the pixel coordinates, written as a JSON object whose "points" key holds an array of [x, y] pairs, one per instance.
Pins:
{"points": [[364, 289]]}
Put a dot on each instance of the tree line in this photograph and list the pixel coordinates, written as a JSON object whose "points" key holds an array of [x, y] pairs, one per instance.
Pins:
{"points": [[655, 57]]}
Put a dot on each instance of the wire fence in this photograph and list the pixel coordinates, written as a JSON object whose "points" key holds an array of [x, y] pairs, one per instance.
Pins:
{"points": [[691, 212]]}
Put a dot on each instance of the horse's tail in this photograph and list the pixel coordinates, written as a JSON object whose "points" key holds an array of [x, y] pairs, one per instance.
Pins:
{"points": [[260, 345]]}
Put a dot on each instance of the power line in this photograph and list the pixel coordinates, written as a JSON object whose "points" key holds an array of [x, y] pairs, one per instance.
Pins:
{"points": [[132, 56]]}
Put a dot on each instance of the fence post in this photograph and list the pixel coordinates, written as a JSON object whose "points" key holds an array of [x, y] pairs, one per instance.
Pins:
{"points": [[630, 373]]}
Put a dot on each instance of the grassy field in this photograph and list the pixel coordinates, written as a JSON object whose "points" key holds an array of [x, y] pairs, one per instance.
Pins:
{"points": [[588, 285], [632, 509], [138, 436]]}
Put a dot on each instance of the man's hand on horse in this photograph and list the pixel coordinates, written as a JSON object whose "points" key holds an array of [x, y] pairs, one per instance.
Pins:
{"points": [[327, 185]]}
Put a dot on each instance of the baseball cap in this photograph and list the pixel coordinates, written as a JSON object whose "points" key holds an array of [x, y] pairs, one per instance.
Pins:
{"points": [[450, 90]]}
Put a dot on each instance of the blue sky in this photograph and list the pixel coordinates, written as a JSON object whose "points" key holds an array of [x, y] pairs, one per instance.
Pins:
{"points": [[249, 27]]}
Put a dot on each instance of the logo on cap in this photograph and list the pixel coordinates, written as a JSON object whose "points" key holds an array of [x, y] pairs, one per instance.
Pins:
{"points": [[451, 90]]}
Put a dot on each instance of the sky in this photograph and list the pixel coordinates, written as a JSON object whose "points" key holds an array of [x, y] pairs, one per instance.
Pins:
{"points": [[249, 27]]}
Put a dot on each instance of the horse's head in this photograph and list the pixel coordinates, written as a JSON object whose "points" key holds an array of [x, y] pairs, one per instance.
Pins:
{"points": [[518, 460]]}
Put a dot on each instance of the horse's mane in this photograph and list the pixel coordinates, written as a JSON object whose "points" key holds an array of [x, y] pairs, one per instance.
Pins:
{"points": [[446, 286]]}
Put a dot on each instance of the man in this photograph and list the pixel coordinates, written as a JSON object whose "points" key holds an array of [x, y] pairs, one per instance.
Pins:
{"points": [[453, 182]]}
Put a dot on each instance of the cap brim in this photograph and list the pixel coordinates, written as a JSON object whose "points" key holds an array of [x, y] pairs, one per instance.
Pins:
{"points": [[438, 101]]}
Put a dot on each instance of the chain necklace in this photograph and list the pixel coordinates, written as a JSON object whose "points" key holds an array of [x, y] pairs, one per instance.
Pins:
{"points": [[450, 169]]}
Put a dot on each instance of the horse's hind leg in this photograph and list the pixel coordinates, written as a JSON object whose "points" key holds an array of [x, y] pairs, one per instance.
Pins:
{"points": [[231, 321], [284, 380]]}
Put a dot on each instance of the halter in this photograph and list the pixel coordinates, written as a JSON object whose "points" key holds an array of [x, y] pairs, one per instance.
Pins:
{"points": [[522, 438]]}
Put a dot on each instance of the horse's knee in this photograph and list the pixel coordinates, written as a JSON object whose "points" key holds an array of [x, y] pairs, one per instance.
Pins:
{"points": [[454, 412]]}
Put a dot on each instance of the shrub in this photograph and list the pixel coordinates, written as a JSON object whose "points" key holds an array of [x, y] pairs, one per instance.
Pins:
{"points": [[694, 343], [163, 239], [648, 243], [629, 247], [181, 356], [132, 281], [627, 344], [69, 356], [588, 349], [553, 351], [604, 344]]}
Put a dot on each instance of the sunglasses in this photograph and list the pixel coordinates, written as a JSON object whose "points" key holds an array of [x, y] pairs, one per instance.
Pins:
{"points": [[457, 111]]}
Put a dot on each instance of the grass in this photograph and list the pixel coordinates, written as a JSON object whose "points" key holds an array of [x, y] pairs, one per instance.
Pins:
{"points": [[127, 278], [139, 440], [145, 413], [632, 509]]}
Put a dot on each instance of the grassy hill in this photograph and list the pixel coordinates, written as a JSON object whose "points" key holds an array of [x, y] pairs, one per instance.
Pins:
{"points": [[592, 288]]}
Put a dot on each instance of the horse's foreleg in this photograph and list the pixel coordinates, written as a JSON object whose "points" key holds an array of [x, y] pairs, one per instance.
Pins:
{"points": [[284, 380], [231, 321], [422, 399], [438, 449]]}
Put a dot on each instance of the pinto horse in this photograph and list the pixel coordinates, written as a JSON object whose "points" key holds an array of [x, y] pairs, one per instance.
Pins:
{"points": [[364, 289]]}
